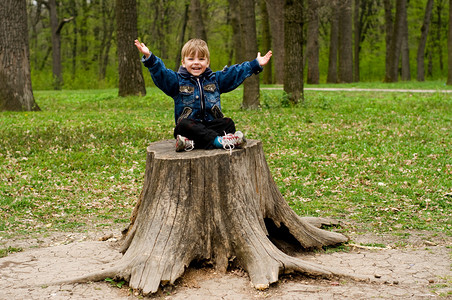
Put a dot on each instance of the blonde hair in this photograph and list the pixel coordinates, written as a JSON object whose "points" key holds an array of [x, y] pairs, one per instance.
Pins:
{"points": [[194, 46]]}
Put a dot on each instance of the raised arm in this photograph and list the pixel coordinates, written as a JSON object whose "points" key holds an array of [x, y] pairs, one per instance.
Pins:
{"points": [[142, 48], [165, 79], [232, 77], [263, 60]]}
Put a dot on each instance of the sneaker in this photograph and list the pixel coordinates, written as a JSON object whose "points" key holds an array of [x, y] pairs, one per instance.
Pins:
{"points": [[184, 144], [231, 141]]}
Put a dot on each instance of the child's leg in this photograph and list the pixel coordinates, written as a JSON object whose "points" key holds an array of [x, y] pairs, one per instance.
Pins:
{"points": [[222, 126], [196, 131], [227, 137]]}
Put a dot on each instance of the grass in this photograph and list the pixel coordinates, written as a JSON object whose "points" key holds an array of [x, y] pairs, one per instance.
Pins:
{"points": [[5, 251], [380, 161]]}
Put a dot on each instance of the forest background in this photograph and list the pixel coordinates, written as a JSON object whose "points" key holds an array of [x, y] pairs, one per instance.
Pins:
{"points": [[87, 32]]}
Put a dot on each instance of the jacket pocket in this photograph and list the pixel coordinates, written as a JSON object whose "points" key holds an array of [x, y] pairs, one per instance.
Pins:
{"points": [[216, 112], [187, 94], [211, 93], [185, 114]]}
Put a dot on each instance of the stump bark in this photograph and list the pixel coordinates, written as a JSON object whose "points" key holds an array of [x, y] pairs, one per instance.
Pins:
{"points": [[216, 206]]}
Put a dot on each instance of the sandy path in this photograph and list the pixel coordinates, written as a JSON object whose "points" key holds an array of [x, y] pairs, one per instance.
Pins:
{"points": [[422, 272]]}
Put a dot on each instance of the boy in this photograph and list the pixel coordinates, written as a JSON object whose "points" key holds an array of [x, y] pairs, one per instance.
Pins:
{"points": [[196, 92]]}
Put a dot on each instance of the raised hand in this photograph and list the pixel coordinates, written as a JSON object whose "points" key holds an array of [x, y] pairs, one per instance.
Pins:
{"points": [[263, 60], [142, 48]]}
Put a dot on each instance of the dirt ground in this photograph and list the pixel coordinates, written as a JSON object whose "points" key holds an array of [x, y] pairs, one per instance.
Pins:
{"points": [[416, 266]]}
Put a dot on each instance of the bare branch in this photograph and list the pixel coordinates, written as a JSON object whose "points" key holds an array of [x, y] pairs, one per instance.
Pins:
{"points": [[64, 21]]}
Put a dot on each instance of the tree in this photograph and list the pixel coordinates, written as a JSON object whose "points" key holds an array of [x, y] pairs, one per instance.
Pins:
{"points": [[106, 36], [449, 45], [405, 50], [357, 35], [131, 81], [249, 43], [266, 42], [56, 27], [74, 12], [197, 23], [293, 50], [312, 47], [423, 41], [333, 45], [222, 215], [275, 9], [439, 33], [182, 36], [389, 25], [234, 9], [364, 19], [396, 42], [16, 93], [34, 18], [84, 33], [345, 42]]}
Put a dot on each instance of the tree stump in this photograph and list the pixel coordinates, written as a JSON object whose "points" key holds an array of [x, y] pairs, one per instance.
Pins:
{"points": [[216, 206]]}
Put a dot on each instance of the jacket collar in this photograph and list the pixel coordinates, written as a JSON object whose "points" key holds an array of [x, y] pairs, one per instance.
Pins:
{"points": [[184, 73]]}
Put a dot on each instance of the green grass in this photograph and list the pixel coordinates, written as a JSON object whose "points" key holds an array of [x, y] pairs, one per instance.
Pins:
{"points": [[5, 251], [380, 161]]}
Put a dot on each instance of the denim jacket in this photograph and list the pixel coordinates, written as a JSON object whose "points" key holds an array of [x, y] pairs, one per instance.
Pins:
{"points": [[198, 98]]}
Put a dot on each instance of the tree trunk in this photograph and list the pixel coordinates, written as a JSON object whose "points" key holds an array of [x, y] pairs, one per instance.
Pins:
{"points": [[83, 55], [160, 23], [334, 40], [365, 16], [16, 93], [236, 33], [74, 13], [438, 44], [293, 50], [56, 27], [449, 46], [197, 23], [405, 50], [423, 41], [217, 207], [396, 43], [131, 81], [357, 37], [345, 42], [56, 46], [312, 47], [275, 10], [177, 63], [249, 42], [389, 25], [108, 28], [266, 43], [34, 30]]}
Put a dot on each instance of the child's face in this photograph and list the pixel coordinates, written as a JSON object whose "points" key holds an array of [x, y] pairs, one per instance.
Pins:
{"points": [[195, 65]]}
